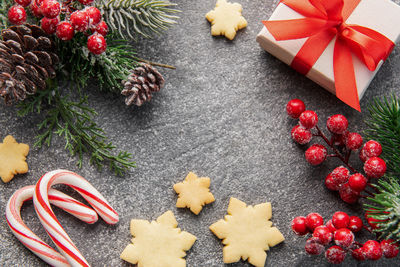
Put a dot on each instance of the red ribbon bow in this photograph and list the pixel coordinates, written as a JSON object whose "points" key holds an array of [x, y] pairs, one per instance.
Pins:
{"points": [[325, 19]]}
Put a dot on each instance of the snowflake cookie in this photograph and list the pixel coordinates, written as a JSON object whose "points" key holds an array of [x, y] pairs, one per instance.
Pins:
{"points": [[226, 19], [12, 158], [194, 193], [247, 232], [158, 243]]}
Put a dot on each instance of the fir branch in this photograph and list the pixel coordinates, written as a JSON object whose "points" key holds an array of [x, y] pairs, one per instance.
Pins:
{"points": [[4, 6], [132, 17]]}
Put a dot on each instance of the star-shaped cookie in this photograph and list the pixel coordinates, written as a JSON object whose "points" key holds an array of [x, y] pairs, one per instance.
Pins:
{"points": [[194, 193], [247, 232], [158, 243], [226, 19], [12, 158]]}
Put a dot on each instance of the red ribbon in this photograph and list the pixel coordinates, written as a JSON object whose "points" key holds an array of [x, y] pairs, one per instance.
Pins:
{"points": [[325, 19]]}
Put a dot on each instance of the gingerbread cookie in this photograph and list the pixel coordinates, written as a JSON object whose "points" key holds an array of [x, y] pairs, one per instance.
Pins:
{"points": [[12, 158]]}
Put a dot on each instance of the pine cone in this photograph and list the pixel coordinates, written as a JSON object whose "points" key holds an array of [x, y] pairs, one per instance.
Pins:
{"points": [[27, 60], [143, 81]]}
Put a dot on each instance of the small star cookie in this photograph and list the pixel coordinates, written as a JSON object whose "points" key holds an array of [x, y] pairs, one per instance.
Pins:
{"points": [[247, 232], [12, 158], [226, 19], [194, 193], [158, 243]]}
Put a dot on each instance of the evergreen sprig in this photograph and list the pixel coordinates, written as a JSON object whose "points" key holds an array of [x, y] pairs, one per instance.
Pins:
{"points": [[4, 6], [132, 17]]}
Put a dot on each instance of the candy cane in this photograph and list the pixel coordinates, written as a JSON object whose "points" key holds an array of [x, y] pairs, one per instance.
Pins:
{"points": [[27, 237], [49, 220]]}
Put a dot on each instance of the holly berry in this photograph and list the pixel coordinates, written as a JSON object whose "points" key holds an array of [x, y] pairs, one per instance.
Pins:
{"points": [[94, 15], [17, 15], [313, 247], [358, 254], [86, 2], [372, 149], [50, 8], [355, 224], [343, 237], [49, 25], [339, 139], [363, 155], [337, 124], [101, 28], [331, 183], [308, 119], [340, 220], [35, 9], [372, 250], [301, 135], [313, 220], [375, 167], [65, 31], [358, 182], [299, 226], [335, 254], [79, 20], [23, 3], [330, 226], [316, 154], [341, 175], [295, 107], [373, 222], [323, 235], [348, 195], [390, 249], [353, 141], [96, 44]]}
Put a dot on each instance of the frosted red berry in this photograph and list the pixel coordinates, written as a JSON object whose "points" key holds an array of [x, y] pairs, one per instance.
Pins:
{"points": [[323, 235], [23, 3], [341, 175], [355, 224], [299, 226], [308, 119], [331, 183], [340, 219], [372, 250], [50, 8], [94, 15], [375, 167], [86, 2], [79, 20], [316, 154], [339, 139], [358, 182], [295, 107], [335, 254], [373, 223], [35, 9], [313, 247], [353, 141], [301, 135], [337, 124], [372, 149], [348, 195], [65, 31], [390, 249], [330, 226], [358, 254], [313, 220], [343, 237], [362, 155], [96, 44], [49, 25], [17, 15], [101, 28]]}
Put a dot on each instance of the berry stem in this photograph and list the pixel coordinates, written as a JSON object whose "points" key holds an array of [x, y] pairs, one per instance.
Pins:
{"points": [[332, 156]]}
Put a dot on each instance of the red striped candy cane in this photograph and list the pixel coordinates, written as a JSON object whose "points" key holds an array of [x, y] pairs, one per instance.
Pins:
{"points": [[49, 220], [27, 237]]}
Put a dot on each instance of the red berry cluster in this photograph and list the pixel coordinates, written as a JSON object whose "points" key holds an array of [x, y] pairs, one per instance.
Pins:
{"points": [[87, 20], [349, 183], [340, 230]]}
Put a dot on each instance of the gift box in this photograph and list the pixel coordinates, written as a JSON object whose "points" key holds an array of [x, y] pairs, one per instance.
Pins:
{"points": [[339, 44]]}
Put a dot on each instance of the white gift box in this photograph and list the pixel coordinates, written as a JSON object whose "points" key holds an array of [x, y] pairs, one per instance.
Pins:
{"points": [[382, 16]]}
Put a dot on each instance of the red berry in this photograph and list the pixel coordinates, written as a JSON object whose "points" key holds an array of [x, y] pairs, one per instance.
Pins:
{"points": [[93, 14], [300, 135], [299, 225], [337, 124], [50, 8], [101, 28], [323, 235], [371, 221], [295, 107], [358, 254], [372, 250], [347, 194], [372, 149], [355, 224], [341, 175], [332, 228], [362, 155], [335, 254], [353, 141], [340, 219], [35, 9], [65, 31], [79, 20], [331, 183], [23, 3], [343, 237], [313, 247], [308, 119], [390, 249], [316, 154], [96, 44], [17, 15], [49, 25], [313, 220], [339, 139], [358, 182], [375, 167], [86, 2]]}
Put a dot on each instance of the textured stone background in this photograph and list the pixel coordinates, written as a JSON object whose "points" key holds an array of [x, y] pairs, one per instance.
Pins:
{"points": [[220, 115]]}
